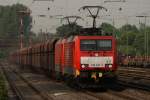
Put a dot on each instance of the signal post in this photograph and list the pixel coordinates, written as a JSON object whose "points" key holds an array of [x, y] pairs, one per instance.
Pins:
{"points": [[21, 25]]}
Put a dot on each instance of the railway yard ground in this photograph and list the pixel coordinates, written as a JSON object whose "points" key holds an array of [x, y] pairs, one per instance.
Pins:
{"points": [[25, 84], [75, 50]]}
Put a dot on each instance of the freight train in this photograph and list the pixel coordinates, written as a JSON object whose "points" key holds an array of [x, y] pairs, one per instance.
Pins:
{"points": [[74, 57], [134, 61]]}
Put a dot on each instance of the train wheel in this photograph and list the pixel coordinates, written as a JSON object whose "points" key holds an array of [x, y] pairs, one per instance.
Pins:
{"points": [[112, 80]]}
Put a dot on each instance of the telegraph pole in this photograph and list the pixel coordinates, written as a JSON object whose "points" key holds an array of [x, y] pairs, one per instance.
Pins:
{"points": [[21, 25]]}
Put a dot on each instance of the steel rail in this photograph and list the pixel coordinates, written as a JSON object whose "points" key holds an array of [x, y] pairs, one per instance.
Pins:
{"points": [[19, 93], [13, 86], [120, 95], [43, 95]]}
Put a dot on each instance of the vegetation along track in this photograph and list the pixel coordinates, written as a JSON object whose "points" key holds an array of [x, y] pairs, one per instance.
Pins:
{"points": [[22, 88]]}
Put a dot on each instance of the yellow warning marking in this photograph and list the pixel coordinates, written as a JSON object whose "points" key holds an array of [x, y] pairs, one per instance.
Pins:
{"points": [[93, 75]]}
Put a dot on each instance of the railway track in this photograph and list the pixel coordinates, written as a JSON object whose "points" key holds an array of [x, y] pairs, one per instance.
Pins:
{"points": [[72, 94], [23, 89], [135, 77], [118, 91], [135, 72], [110, 95], [123, 94], [134, 69]]}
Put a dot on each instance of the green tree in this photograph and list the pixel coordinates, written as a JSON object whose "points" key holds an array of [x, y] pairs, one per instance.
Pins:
{"points": [[67, 29], [9, 20], [9, 24], [108, 28], [139, 43], [128, 28]]}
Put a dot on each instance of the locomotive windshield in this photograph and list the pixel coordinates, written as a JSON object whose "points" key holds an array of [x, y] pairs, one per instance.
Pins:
{"points": [[95, 45], [104, 44]]}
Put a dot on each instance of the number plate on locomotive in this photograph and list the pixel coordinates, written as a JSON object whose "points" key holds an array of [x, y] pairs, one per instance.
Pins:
{"points": [[94, 65]]}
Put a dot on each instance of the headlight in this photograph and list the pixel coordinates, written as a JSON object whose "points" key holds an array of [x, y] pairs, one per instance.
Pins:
{"points": [[110, 66], [84, 65]]}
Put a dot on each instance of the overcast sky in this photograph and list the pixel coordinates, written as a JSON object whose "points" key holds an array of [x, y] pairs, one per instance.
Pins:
{"points": [[130, 8]]}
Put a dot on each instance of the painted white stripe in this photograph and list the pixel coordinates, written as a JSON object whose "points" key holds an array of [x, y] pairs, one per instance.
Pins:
{"points": [[96, 60]]}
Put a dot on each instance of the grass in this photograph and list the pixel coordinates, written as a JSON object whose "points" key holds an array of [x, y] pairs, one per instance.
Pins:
{"points": [[3, 90]]}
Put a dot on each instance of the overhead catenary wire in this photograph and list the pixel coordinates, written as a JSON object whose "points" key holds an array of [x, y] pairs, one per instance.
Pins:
{"points": [[107, 1]]}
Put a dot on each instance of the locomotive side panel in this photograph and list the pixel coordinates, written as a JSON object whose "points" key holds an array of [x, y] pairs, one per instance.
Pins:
{"points": [[58, 57], [68, 58]]}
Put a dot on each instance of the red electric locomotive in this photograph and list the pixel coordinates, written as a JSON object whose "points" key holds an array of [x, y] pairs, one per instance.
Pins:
{"points": [[86, 57]]}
